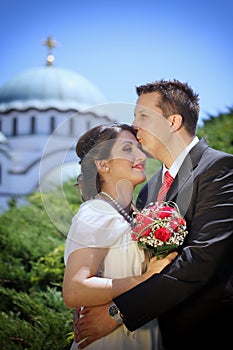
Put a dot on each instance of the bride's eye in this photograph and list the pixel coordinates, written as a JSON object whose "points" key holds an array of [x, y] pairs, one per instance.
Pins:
{"points": [[127, 148]]}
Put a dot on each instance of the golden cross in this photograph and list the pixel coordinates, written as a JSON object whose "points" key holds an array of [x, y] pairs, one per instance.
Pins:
{"points": [[50, 43]]}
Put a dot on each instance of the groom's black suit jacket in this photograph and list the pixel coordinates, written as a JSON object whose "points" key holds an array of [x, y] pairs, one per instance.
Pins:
{"points": [[193, 296]]}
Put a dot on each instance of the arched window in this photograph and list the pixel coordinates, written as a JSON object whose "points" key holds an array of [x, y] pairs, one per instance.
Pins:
{"points": [[52, 124], [71, 126], [15, 127], [33, 125]]}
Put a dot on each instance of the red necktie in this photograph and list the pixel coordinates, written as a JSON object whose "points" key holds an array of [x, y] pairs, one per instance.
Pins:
{"points": [[167, 181]]}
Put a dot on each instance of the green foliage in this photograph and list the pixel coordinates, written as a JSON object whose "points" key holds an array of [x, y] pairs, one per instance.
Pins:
{"points": [[48, 270], [35, 321], [218, 131], [32, 312]]}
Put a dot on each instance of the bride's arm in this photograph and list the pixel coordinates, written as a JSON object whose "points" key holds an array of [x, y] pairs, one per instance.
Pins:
{"points": [[81, 287]]}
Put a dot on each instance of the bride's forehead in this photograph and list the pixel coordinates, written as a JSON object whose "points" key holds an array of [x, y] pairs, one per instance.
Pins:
{"points": [[124, 140], [126, 135]]}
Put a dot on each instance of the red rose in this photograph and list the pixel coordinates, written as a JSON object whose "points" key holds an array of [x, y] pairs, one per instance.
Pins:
{"points": [[165, 212], [163, 234]]}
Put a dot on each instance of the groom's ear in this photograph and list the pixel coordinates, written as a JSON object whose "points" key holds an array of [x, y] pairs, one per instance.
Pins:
{"points": [[175, 121]]}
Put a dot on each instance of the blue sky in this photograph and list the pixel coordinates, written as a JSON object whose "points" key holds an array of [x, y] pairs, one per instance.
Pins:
{"points": [[120, 44]]}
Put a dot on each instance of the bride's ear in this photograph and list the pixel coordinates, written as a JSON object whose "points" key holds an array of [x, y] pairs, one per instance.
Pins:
{"points": [[102, 166]]}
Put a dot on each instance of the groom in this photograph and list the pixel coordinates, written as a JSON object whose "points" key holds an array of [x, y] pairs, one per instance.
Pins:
{"points": [[193, 296]]}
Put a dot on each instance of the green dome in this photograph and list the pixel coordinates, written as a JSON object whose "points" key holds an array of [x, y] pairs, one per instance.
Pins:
{"points": [[49, 87]]}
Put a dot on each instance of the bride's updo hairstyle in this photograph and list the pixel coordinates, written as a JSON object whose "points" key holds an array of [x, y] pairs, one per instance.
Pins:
{"points": [[96, 144]]}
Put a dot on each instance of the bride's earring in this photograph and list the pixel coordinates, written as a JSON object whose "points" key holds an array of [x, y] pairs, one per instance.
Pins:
{"points": [[107, 169]]}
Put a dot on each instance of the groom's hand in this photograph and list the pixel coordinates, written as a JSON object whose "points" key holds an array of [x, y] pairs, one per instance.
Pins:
{"points": [[94, 323]]}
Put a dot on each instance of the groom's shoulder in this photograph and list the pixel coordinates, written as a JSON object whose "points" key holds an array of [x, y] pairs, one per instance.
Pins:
{"points": [[209, 155], [215, 156]]}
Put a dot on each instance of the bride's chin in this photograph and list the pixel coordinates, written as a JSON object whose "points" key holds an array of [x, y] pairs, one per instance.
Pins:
{"points": [[142, 178]]}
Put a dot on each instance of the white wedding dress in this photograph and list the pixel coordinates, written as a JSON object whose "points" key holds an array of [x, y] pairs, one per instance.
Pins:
{"points": [[98, 224]]}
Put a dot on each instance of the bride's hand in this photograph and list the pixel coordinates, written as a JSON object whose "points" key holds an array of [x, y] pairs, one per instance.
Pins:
{"points": [[157, 265]]}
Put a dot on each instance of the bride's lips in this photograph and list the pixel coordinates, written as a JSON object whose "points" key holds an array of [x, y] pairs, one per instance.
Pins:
{"points": [[139, 167]]}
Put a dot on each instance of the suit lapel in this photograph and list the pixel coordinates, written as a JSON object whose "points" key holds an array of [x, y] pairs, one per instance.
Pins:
{"points": [[185, 173]]}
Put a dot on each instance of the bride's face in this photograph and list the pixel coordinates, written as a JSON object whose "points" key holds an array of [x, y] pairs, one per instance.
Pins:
{"points": [[127, 161]]}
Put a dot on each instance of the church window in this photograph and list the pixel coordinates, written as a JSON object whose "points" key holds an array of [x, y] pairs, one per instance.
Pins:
{"points": [[33, 125], [15, 127], [52, 124], [71, 126]]}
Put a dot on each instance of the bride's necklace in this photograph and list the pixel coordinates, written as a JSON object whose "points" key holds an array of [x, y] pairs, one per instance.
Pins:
{"points": [[118, 206]]}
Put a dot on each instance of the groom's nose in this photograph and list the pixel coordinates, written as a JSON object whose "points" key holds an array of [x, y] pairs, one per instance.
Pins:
{"points": [[135, 123]]}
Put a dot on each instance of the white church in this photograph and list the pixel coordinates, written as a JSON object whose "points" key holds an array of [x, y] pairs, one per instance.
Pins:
{"points": [[43, 111]]}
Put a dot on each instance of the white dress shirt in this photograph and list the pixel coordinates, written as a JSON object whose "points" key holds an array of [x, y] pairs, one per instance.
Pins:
{"points": [[179, 160]]}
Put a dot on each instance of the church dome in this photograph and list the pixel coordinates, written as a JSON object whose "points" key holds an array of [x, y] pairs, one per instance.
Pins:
{"points": [[49, 87]]}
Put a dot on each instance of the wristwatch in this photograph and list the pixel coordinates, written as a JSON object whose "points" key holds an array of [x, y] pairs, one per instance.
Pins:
{"points": [[114, 312]]}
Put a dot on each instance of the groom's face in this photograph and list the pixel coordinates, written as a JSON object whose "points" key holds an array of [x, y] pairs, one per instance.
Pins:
{"points": [[152, 127]]}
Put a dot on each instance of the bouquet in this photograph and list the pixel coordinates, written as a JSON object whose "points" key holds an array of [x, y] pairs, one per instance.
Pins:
{"points": [[159, 228]]}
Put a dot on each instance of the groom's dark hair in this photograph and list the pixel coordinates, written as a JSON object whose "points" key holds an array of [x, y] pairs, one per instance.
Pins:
{"points": [[176, 98]]}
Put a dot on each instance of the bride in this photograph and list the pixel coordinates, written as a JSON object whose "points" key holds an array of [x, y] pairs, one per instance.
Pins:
{"points": [[101, 260]]}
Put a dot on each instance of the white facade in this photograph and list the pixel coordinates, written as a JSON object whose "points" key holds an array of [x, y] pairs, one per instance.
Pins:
{"points": [[39, 140]]}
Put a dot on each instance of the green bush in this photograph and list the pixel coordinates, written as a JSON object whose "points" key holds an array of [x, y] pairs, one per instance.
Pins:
{"points": [[37, 321], [32, 311], [218, 131]]}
